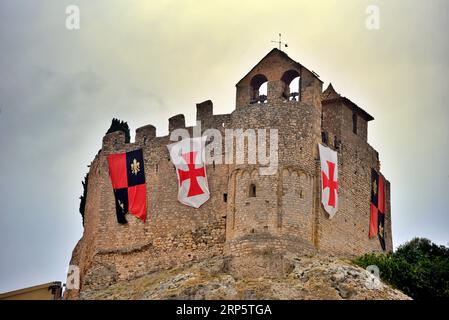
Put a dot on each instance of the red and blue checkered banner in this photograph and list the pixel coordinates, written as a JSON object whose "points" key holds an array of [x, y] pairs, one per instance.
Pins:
{"points": [[128, 181]]}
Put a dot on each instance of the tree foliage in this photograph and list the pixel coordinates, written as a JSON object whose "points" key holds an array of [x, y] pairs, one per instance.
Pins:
{"points": [[84, 196], [118, 125], [419, 268]]}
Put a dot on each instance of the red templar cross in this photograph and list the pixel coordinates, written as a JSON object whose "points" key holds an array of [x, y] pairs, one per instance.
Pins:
{"points": [[192, 174], [330, 183]]}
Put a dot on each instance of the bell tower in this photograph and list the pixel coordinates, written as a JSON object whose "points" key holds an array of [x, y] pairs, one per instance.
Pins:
{"points": [[284, 80]]}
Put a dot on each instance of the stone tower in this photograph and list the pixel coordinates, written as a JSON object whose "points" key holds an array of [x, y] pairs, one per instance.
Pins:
{"points": [[281, 215]]}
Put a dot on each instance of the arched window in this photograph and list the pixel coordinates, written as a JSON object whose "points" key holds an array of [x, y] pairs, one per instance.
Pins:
{"points": [[294, 89], [252, 190], [263, 92], [354, 123], [292, 83], [259, 89]]}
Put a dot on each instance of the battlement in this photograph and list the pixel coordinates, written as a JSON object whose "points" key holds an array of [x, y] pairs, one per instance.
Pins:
{"points": [[204, 111], [145, 134]]}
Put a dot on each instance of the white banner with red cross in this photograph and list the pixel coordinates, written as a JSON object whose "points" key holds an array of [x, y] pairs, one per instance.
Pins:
{"points": [[188, 157], [329, 179]]}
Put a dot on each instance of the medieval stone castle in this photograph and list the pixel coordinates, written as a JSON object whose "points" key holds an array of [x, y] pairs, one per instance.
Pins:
{"points": [[253, 219]]}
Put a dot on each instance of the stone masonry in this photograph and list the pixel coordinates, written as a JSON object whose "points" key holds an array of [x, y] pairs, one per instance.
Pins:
{"points": [[253, 231]]}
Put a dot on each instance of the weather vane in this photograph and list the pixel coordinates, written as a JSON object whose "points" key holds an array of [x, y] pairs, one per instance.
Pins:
{"points": [[280, 43]]}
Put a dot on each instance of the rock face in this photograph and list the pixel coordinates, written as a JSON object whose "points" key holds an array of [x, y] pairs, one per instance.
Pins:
{"points": [[306, 277]]}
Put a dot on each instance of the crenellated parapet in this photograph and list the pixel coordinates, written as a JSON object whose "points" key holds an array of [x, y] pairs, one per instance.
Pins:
{"points": [[176, 122], [113, 141], [145, 134], [204, 111]]}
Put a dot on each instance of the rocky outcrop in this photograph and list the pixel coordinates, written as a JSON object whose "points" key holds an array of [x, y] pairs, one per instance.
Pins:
{"points": [[305, 277]]}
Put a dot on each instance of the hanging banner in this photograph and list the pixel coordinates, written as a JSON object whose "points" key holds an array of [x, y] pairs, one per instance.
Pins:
{"points": [[329, 179], [128, 181], [188, 157]]}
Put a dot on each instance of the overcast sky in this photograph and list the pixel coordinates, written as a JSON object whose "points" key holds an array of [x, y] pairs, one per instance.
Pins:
{"points": [[144, 61]]}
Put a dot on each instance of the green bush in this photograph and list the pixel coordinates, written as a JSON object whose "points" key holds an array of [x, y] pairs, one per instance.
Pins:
{"points": [[419, 268]]}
